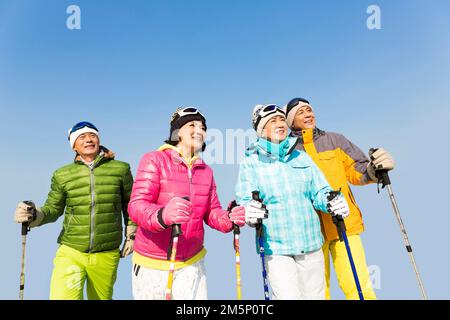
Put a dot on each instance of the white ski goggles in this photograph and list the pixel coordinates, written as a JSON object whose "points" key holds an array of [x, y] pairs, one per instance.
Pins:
{"points": [[265, 111], [189, 111], [269, 109]]}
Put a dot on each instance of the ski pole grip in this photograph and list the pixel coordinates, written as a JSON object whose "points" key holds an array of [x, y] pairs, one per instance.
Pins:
{"points": [[332, 195], [337, 219], [233, 204], [26, 225], [176, 228], [383, 175], [255, 196], [24, 228]]}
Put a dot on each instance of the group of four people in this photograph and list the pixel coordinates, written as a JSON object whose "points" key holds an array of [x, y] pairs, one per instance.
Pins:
{"points": [[294, 175]]}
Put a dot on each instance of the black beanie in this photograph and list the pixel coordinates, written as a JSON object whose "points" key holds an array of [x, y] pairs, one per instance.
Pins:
{"points": [[178, 122]]}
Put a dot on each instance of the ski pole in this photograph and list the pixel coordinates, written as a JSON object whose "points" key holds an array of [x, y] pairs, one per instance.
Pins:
{"points": [[383, 178], [24, 232], [171, 255], [260, 235], [342, 231], [236, 232]]}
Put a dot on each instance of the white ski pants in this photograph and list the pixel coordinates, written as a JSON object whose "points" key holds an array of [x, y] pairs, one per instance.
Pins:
{"points": [[189, 283], [300, 277]]}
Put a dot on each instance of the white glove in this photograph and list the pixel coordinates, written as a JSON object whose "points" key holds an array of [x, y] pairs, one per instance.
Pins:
{"points": [[379, 160], [339, 206], [254, 213], [129, 241], [28, 213]]}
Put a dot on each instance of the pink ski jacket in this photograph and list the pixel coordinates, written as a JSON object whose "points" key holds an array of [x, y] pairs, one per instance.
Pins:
{"points": [[161, 176]]}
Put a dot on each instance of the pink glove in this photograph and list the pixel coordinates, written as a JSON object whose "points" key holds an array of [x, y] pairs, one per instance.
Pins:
{"points": [[237, 216], [177, 211]]}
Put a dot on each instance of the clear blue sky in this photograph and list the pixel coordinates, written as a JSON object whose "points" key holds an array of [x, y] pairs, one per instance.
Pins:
{"points": [[132, 63]]}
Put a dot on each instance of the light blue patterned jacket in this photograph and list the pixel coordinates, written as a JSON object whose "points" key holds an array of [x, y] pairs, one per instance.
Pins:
{"points": [[291, 187]]}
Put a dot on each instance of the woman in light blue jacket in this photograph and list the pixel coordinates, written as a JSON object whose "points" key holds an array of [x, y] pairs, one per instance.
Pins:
{"points": [[292, 188]]}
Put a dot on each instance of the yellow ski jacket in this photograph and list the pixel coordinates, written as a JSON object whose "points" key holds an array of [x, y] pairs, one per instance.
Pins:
{"points": [[342, 163]]}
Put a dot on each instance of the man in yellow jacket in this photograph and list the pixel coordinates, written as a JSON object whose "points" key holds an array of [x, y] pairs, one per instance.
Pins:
{"points": [[342, 163]]}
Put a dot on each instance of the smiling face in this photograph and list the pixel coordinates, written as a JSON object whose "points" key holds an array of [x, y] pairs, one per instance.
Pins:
{"points": [[192, 136], [304, 119], [87, 145], [276, 129]]}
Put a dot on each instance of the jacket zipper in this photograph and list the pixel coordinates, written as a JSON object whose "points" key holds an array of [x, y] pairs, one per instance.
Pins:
{"points": [[190, 177], [190, 182], [70, 219], [91, 237]]}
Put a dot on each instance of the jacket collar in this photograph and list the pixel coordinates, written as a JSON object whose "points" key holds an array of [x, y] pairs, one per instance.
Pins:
{"points": [[177, 155], [307, 135], [105, 154], [256, 148]]}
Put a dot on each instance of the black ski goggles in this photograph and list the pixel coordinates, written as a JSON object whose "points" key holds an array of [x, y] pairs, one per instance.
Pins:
{"points": [[295, 102], [81, 125]]}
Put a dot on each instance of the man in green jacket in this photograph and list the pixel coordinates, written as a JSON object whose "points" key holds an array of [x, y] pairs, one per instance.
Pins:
{"points": [[92, 192]]}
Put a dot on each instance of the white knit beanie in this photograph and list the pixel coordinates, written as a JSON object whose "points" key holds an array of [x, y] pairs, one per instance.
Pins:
{"points": [[73, 135], [260, 120]]}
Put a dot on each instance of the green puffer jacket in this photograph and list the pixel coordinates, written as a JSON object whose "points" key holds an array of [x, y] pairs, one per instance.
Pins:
{"points": [[93, 201]]}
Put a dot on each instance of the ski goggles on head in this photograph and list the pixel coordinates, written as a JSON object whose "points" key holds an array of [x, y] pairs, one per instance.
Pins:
{"points": [[189, 111], [295, 102], [269, 109], [81, 125], [265, 111]]}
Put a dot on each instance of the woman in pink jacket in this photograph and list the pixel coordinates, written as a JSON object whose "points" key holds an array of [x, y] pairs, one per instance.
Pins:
{"points": [[164, 180]]}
